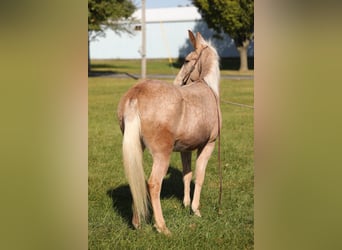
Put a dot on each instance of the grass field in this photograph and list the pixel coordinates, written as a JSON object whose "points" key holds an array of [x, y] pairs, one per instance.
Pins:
{"points": [[109, 205], [228, 66]]}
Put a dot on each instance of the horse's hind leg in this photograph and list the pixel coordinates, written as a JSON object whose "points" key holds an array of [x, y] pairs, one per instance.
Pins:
{"points": [[135, 219], [201, 163], [187, 176], [160, 165]]}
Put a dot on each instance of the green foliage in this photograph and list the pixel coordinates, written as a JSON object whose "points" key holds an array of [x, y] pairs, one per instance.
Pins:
{"points": [[109, 201], [107, 13], [235, 18]]}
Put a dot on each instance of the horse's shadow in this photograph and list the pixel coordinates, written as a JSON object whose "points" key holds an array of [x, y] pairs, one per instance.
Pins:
{"points": [[172, 187]]}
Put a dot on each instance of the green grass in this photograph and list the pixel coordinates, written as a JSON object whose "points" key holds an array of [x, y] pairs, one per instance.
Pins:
{"points": [[229, 66], [156, 66], [109, 206]]}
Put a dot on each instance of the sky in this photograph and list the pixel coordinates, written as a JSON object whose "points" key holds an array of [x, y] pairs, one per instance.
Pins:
{"points": [[163, 3]]}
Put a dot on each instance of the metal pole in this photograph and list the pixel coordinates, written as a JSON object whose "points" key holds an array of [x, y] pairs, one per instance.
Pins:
{"points": [[143, 42]]}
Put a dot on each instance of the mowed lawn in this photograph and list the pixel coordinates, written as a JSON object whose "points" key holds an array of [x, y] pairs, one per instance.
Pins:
{"points": [[228, 66], [109, 206]]}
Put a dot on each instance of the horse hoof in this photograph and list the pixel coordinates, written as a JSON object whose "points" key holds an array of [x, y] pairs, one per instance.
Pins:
{"points": [[186, 203], [197, 213], [163, 230], [166, 232], [136, 224]]}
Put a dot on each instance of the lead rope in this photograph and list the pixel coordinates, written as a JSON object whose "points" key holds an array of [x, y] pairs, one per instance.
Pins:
{"points": [[218, 146], [219, 156]]}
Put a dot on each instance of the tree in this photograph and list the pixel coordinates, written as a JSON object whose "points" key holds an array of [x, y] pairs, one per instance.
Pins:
{"points": [[233, 17], [104, 14]]}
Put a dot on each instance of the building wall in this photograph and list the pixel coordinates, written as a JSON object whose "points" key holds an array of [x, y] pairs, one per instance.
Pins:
{"points": [[164, 39]]}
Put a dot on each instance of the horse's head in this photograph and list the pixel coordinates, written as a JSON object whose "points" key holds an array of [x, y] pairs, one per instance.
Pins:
{"points": [[202, 63]]}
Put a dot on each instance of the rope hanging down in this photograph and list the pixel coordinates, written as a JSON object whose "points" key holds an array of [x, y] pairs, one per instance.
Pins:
{"points": [[238, 104]]}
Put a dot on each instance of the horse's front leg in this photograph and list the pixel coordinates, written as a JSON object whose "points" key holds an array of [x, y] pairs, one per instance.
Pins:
{"points": [[187, 176], [159, 169], [203, 156]]}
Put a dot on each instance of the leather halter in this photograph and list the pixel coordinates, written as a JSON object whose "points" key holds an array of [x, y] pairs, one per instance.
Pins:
{"points": [[187, 76]]}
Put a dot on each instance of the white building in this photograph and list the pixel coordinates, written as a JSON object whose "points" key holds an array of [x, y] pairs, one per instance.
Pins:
{"points": [[166, 37]]}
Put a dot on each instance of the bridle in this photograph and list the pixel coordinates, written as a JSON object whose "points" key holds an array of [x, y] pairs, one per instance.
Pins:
{"points": [[187, 76]]}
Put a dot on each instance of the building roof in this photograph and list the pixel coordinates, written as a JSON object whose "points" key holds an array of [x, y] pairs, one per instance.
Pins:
{"points": [[177, 14]]}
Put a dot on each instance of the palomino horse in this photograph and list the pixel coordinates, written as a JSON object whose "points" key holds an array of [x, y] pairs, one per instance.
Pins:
{"points": [[163, 118]]}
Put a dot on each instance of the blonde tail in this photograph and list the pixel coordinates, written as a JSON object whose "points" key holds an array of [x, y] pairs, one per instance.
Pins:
{"points": [[132, 156]]}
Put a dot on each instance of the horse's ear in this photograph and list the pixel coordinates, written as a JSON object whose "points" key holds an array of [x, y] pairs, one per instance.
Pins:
{"points": [[199, 39], [192, 38]]}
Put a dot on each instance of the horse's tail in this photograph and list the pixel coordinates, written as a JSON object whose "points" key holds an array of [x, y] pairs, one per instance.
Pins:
{"points": [[132, 157]]}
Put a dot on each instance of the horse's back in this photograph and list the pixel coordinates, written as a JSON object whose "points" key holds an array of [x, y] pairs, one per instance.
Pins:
{"points": [[160, 108], [183, 118], [153, 97]]}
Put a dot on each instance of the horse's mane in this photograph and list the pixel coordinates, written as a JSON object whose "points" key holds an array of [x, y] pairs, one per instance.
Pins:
{"points": [[211, 74]]}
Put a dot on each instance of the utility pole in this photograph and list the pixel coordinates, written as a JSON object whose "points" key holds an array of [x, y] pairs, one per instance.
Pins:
{"points": [[143, 42]]}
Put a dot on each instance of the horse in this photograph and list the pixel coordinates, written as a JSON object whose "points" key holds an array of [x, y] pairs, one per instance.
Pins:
{"points": [[165, 118]]}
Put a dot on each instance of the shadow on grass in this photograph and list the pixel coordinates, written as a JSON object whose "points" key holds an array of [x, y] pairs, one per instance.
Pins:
{"points": [[110, 73], [172, 187], [103, 65]]}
